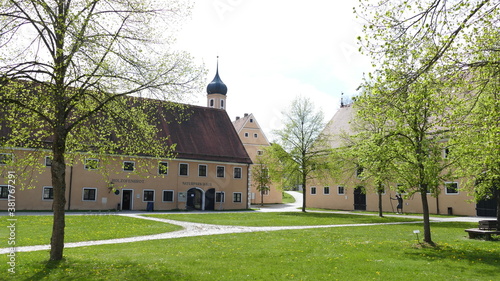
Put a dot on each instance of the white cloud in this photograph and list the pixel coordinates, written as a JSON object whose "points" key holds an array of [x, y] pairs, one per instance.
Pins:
{"points": [[272, 51]]}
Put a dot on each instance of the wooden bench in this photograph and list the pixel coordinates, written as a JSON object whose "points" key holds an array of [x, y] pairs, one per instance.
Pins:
{"points": [[480, 233], [488, 224]]}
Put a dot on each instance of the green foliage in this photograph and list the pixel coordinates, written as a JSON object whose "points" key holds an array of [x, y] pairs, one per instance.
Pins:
{"points": [[68, 72], [300, 153], [434, 61]]}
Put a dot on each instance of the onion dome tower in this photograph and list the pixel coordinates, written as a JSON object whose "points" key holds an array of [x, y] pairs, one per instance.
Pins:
{"points": [[216, 91]]}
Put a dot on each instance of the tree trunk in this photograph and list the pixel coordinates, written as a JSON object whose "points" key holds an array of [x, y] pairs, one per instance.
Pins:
{"points": [[427, 224], [262, 197], [58, 171], [304, 191], [380, 214]]}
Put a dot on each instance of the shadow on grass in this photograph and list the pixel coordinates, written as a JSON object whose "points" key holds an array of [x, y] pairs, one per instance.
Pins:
{"points": [[92, 269], [456, 250], [451, 255]]}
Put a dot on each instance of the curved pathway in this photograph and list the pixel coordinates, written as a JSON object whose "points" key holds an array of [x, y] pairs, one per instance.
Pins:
{"points": [[200, 229]]}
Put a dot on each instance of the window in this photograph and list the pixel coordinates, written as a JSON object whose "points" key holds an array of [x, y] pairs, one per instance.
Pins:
{"points": [[400, 189], [163, 168], [48, 193], [6, 158], [221, 103], [202, 170], [4, 191], [340, 190], [326, 190], [168, 196], [128, 166], [237, 197], [183, 169], [48, 161], [211, 102], [89, 194], [255, 135], [265, 190], [265, 173], [221, 171], [446, 152], [246, 135], [251, 120], [313, 190], [260, 152], [382, 189], [148, 196], [91, 164], [359, 172], [237, 173], [219, 197], [451, 187]]}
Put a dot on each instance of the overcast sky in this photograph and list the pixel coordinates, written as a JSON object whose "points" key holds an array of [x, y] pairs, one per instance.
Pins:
{"points": [[272, 51]]}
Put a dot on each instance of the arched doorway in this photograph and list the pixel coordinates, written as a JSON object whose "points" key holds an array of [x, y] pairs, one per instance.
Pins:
{"points": [[195, 199], [210, 199]]}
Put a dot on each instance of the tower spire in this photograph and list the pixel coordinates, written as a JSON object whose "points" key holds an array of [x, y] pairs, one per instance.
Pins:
{"points": [[216, 91]]}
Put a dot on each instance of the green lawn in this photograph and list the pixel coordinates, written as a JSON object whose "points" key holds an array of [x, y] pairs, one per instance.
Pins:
{"points": [[279, 219], [381, 252], [287, 198], [36, 230]]}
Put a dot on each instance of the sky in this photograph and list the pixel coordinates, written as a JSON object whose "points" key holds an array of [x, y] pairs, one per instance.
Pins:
{"points": [[270, 52]]}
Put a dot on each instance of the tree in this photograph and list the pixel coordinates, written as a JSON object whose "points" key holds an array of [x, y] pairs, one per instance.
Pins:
{"points": [[301, 151], [66, 68], [260, 178], [370, 146], [477, 146], [457, 40], [414, 133]]}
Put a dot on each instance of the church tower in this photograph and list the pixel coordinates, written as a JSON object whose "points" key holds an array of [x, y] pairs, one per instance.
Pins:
{"points": [[216, 91]]}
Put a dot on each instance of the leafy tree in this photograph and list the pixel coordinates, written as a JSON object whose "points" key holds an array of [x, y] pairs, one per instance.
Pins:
{"points": [[370, 144], [260, 178], [300, 152], [66, 68], [477, 141], [413, 135], [424, 44]]}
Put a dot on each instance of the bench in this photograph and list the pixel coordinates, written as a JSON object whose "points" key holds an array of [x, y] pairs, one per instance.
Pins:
{"points": [[488, 224], [480, 233]]}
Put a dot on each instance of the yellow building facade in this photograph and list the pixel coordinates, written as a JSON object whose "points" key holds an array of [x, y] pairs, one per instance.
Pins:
{"points": [[254, 140], [210, 170], [350, 192]]}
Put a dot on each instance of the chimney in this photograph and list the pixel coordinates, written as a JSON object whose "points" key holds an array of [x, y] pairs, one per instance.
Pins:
{"points": [[237, 118], [246, 114]]}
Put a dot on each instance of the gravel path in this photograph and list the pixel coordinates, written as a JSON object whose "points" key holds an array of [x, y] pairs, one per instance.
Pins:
{"points": [[199, 229]]}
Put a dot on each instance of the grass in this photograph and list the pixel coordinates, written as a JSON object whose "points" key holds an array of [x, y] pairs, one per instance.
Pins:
{"points": [[287, 198], [279, 219], [380, 252], [37, 230]]}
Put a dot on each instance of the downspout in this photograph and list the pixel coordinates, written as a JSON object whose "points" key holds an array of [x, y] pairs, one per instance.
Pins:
{"points": [[70, 185], [248, 186]]}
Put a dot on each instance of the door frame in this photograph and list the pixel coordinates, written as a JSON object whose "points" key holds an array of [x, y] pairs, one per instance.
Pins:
{"points": [[131, 191]]}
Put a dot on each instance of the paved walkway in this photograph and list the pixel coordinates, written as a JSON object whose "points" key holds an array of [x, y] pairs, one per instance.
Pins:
{"points": [[200, 229]]}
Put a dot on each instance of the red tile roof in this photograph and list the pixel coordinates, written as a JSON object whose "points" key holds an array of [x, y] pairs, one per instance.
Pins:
{"points": [[207, 134]]}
